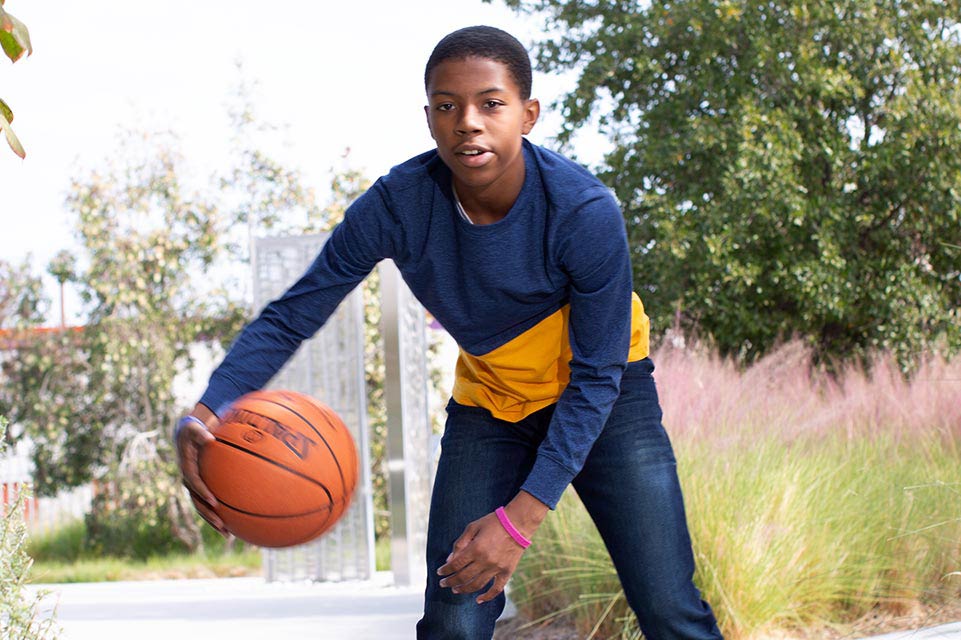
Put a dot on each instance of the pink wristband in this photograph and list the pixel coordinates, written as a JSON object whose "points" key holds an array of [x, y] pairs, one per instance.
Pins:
{"points": [[509, 527]]}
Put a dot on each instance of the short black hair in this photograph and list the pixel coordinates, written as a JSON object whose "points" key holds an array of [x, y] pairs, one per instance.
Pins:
{"points": [[484, 42]]}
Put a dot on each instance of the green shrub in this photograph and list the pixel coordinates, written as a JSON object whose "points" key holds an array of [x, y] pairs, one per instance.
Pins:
{"points": [[116, 533], [20, 616], [66, 554], [138, 514], [65, 543], [209, 564]]}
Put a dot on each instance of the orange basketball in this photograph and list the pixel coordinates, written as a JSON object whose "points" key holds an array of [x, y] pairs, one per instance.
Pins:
{"points": [[283, 468]]}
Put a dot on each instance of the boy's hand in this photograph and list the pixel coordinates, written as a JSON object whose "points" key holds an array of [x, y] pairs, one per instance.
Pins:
{"points": [[485, 551], [190, 439]]}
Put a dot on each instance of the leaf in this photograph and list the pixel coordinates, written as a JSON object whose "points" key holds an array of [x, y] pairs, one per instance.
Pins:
{"points": [[12, 139], [5, 111], [14, 37]]}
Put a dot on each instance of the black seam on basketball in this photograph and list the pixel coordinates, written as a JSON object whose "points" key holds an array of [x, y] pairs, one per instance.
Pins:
{"points": [[343, 481], [329, 509], [330, 498], [322, 528]]}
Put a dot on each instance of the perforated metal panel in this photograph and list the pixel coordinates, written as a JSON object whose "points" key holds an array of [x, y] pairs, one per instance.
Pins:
{"points": [[330, 367], [408, 425]]}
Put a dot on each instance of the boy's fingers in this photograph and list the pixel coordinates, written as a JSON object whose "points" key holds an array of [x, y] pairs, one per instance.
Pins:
{"points": [[500, 582], [451, 567], [458, 577], [191, 440], [207, 513], [456, 561], [474, 583]]}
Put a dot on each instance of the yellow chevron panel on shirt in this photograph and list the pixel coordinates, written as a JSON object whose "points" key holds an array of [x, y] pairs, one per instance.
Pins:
{"points": [[531, 371], [640, 331]]}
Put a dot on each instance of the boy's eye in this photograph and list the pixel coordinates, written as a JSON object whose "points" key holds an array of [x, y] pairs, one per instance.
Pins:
{"points": [[444, 106], [492, 104]]}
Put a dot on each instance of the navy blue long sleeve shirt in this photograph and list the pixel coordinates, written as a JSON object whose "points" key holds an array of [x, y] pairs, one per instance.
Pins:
{"points": [[540, 303]]}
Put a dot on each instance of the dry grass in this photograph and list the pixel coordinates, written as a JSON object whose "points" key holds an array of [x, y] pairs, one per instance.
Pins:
{"points": [[814, 502]]}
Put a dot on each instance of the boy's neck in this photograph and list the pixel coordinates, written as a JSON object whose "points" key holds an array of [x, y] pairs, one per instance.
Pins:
{"points": [[493, 202]]}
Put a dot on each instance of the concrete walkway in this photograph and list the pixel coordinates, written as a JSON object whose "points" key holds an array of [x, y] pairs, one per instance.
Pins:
{"points": [[252, 609], [236, 609], [944, 632]]}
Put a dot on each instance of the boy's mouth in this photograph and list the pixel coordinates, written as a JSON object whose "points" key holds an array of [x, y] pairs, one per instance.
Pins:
{"points": [[473, 156]]}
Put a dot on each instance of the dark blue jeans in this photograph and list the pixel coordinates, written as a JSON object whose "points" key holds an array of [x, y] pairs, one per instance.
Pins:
{"points": [[628, 484]]}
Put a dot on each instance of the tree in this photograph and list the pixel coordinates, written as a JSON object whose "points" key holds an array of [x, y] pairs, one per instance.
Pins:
{"points": [[50, 393], [15, 42], [784, 168], [84, 397], [46, 378], [21, 296], [259, 193], [149, 240], [33, 361]]}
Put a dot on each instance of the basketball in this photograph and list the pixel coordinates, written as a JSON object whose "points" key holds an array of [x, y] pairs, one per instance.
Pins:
{"points": [[283, 467]]}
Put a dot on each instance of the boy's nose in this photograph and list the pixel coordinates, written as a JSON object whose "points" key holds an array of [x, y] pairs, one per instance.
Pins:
{"points": [[469, 121]]}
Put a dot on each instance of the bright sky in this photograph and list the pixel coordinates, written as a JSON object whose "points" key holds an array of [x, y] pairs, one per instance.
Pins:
{"points": [[337, 74]]}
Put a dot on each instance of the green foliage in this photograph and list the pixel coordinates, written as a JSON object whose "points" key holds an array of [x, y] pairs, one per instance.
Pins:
{"points": [[46, 383], [784, 168], [15, 42], [132, 517], [258, 192], [792, 534], [69, 554], [131, 527], [51, 395], [66, 543], [245, 562], [141, 512], [149, 243], [82, 396], [21, 296], [14, 36], [20, 617]]}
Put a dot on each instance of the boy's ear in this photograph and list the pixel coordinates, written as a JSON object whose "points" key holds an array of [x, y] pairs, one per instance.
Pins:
{"points": [[427, 115], [532, 110]]}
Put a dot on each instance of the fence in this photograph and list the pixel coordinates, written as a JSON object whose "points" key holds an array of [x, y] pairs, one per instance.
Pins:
{"points": [[41, 513]]}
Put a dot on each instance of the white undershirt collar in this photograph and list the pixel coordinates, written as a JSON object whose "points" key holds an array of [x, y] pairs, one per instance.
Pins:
{"points": [[460, 207]]}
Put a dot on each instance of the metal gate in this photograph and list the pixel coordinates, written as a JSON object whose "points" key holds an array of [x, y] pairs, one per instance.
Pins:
{"points": [[330, 366]]}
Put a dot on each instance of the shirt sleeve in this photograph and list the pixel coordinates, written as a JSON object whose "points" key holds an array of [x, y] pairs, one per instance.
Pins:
{"points": [[596, 257], [355, 246]]}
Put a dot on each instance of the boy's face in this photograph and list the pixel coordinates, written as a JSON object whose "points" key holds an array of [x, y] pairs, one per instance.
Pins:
{"points": [[476, 116]]}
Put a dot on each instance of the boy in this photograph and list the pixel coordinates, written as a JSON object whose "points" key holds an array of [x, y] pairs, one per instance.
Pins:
{"points": [[522, 256]]}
